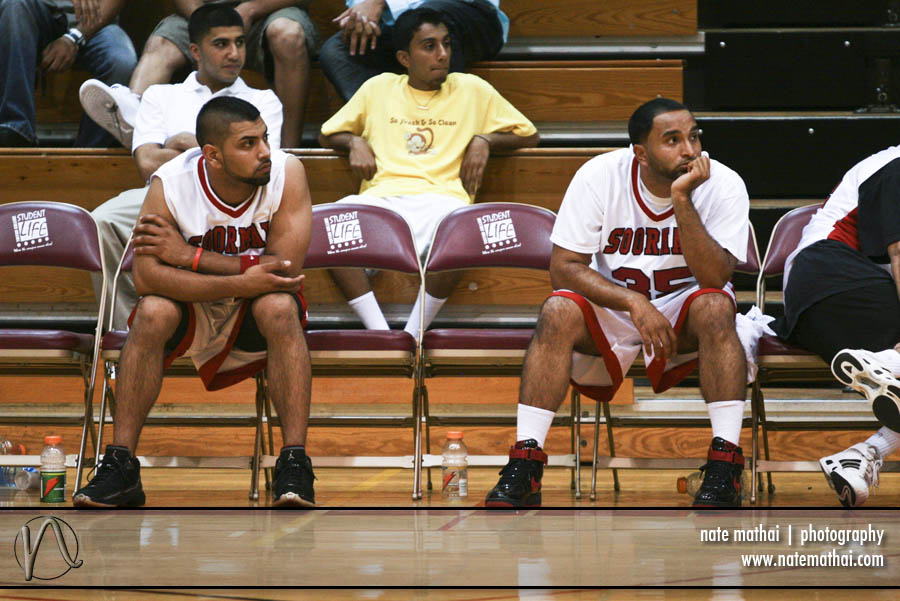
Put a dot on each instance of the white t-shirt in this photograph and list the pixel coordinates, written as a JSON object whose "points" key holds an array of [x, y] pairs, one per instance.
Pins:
{"points": [[635, 243], [204, 220], [170, 109]]}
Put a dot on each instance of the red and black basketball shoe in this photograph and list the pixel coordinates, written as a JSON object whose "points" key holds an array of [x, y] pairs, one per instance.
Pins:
{"points": [[520, 479], [721, 476]]}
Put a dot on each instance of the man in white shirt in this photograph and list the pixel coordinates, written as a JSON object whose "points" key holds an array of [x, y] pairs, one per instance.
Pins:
{"points": [[644, 247], [165, 128]]}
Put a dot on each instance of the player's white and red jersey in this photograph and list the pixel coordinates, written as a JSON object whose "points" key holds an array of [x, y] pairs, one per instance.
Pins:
{"points": [[838, 219], [635, 242], [204, 220]]}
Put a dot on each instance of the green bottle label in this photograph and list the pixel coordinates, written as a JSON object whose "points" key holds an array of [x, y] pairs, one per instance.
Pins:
{"points": [[53, 486]]}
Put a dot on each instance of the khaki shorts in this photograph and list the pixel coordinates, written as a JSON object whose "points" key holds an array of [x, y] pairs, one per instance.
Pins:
{"points": [[175, 29]]}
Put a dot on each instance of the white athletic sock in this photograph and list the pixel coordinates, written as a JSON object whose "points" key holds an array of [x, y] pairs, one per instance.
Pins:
{"points": [[366, 306], [726, 418], [533, 422], [891, 360], [432, 306], [885, 440]]}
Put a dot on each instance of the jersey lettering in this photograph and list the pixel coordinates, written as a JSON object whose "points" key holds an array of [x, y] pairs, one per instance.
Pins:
{"points": [[230, 240], [643, 241]]}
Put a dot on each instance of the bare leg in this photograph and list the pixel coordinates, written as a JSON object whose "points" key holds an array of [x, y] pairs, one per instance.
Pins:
{"points": [[723, 366], [352, 282], [441, 285], [548, 362], [141, 366], [159, 61], [287, 42], [288, 367]]}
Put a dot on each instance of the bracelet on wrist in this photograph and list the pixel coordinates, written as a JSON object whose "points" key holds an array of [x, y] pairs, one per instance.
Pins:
{"points": [[196, 264], [77, 37]]}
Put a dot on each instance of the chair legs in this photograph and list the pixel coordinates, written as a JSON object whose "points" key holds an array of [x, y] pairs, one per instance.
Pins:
{"points": [[576, 442], [261, 398], [88, 422], [765, 433], [612, 447], [427, 447]]}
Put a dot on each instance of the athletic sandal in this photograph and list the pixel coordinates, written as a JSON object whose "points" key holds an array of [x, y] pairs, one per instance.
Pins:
{"points": [[116, 482], [721, 475], [520, 479], [863, 372], [852, 472]]}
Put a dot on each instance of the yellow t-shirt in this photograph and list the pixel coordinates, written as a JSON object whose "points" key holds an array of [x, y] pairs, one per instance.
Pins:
{"points": [[420, 150]]}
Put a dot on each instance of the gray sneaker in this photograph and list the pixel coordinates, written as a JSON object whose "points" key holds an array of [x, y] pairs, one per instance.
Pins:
{"points": [[114, 108]]}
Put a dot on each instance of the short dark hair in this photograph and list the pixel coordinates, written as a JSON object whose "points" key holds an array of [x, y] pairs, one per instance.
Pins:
{"points": [[218, 114], [641, 122], [408, 23], [212, 15]]}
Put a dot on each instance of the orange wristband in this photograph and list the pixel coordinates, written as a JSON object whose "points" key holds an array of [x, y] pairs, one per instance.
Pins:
{"points": [[196, 264]]}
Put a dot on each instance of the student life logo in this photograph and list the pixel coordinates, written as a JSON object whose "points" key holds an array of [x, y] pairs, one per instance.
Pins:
{"points": [[51, 566], [497, 232], [31, 230], [344, 233]]}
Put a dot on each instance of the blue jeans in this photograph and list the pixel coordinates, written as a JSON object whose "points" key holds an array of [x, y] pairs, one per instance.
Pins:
{"points": [[475, 34], [26, 28]]}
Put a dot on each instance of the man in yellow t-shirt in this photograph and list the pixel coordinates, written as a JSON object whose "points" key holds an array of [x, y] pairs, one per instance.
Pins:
{"points": [[420, 142]]}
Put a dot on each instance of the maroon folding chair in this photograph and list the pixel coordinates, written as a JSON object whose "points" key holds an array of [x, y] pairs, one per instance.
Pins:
{"points": [[484, 235], [58, 235], [362, 236], [778, 360]]}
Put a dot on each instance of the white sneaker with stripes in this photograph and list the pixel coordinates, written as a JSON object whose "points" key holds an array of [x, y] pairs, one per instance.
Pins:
{"points": [[852, 472]]}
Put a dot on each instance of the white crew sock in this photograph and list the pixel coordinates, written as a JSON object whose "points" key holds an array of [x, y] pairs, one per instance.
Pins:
{"points": [[891, 360], [885, 440], [533, 422], [726, 418], [366, 306], [432, 306]]}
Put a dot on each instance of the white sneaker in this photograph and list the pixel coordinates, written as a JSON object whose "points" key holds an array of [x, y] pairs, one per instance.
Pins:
{"points": [[851, 472], [114, 108], [864, 373]]}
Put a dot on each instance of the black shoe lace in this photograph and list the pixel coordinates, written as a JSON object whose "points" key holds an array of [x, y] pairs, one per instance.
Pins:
{"points": [[291, 470], [514, 471], [717, 474], [106, 469]]}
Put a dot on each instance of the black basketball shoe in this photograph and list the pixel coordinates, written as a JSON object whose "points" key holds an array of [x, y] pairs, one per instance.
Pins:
{"points": [[721, 476], [116, 482], [520, 479], [294, 477]]}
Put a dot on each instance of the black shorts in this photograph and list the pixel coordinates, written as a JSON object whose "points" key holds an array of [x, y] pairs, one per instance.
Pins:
{"points": [[838, 298]]}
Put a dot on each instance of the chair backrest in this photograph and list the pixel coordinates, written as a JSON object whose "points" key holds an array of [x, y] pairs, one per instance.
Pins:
{"points": [[49, 233], [495, 234], [750, 265], [785, 236], [355, 235]]}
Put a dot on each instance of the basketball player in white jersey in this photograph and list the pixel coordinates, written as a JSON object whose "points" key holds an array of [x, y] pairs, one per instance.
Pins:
{"points": [[645, 244], [219, 246], [842, 289]]}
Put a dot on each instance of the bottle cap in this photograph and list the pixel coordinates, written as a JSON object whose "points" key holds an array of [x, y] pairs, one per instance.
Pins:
{"points": [[455, 435], [52, 439]]}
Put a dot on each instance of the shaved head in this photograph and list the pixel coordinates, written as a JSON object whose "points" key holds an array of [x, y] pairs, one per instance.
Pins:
{"points": [[217, 115]]}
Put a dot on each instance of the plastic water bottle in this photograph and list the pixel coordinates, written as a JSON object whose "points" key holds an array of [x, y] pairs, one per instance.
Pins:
{"points": [[53, 471], [691, 484], [8, 473], [454, 467], [28, 478]]}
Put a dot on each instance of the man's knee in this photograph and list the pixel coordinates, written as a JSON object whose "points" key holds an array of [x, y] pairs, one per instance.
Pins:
{"points": [[276, 313], [560, 319], [164, 51], [333, 50], [712, 313], [287, 40], [156, 317]]}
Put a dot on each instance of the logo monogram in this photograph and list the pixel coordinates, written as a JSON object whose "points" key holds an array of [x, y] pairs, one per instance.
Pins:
{"points": [[497, 232], [29, 551], [344, 233], [31, 230]]}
